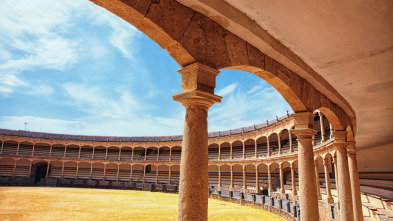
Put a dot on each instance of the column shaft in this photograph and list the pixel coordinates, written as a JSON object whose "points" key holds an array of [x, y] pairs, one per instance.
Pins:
{"points": [[231, 178], [269, 180], [244, 180], [169, 178], [355, 186], [317, 183], [293, 179], [47, 170], [32, 151], [282, 179], [219, 177], [322, 127], [344, 185], [258, 190], [327, 181]]}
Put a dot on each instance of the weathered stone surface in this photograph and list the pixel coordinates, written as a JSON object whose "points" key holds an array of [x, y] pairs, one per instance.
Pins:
{"points": [[170, 16], [139, 5], [237, 51], [255, 57], [204, 39]]}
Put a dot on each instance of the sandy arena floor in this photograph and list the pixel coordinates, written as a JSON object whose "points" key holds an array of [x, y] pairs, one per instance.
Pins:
{"points": [[46, 203]]}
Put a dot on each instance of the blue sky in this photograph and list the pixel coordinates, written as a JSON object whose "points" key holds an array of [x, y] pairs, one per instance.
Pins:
{"points": [[73, 67]]}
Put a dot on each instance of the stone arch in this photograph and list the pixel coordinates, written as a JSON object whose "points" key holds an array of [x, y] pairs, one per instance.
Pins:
{"points": [[237, 149], [213, 151], [249, 148], [225, 150], [262, 143], [191, 37]]}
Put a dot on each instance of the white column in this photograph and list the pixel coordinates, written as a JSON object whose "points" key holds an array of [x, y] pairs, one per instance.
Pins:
{"points": [[244, 150], [322, 127], [62, 171], [270, 189], [256, 150], [327, 181], [119, 154], [294, 191], [80, 148], [279, 143], [118, 171], [282, 178], [65, 150], [231, 167], [77, 170], [258, 189], [169, 178]]}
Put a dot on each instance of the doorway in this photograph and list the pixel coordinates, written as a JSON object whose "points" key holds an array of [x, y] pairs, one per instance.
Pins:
{"points": [[40, 172]]}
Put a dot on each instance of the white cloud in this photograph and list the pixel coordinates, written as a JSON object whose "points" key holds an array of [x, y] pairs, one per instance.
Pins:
{"points": [[227, 90]]}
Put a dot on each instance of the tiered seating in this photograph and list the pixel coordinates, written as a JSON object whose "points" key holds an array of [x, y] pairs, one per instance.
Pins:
{"points": [[10, 148], [152, 155], [69, 172], [111, 174], [176, 155], [6, 169], [163, 176], [137, 175], [273, 148], [139, 154], [317, 138], [55, 171], [262, 149], [99, 153], [285, 147], [25, 149], [225, 152], [113, 154], [84, 173], [237, 152], [86, 152], [57, 151], [124, 175], [41, 150], [213, 178], [22, 170], [175, 175], [164, 155], [250, 151], [150, 177], [97, 173], [126, 154], [72, 152], [213, 153]]}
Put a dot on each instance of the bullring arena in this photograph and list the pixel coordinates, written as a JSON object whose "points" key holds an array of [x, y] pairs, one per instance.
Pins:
{"points": [[330, 159]]}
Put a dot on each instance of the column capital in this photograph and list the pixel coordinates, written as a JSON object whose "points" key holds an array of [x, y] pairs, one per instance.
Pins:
{"points": [[303, 120], [197, 97], [340, 139], [198, 76]]}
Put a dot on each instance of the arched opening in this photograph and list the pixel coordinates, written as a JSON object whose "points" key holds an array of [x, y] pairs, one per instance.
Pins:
{"points": [[250, 148], [10, 147], [113, 153], [126, 153], [139, 154], [237, 177], [176, 153], [263, 178], [86, 152], [262, 146], [213, 151], [40, 169], [225, 150], [84, 170], [284, 140], [164, 153], [99, 153], [213, 177], [152, 154], [225, 177], [25, 149], [22, 168], [72, 151], [58, 150], [237, 149], [137, 172], [273, 144], [42, 149]]}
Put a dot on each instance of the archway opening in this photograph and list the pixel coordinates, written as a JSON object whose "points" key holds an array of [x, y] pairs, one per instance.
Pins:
{"points": [[40, 171]]}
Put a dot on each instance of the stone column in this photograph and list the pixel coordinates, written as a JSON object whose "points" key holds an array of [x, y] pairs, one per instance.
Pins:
{"points": [[104, 172], [118, 171], [244, 179], [13, 171], [92, 155], [290, 142], [158, 154], [91, 171], [244, 150], [327, 181], [144, 173], [294, 192], [157, 173], [169, 178], [231, 150], [322, 127], [132, 154], [32, 151], [268, 146], [269, 180], [198, 83], [355, 185], [219, 152], [50, 150], [119, 158], [77, 170], [47, 170], [170, 154], [2, 146], [317, 183], [62, 171], [219, 177], [106, 153], [344, 183], [65, 151], [282, 178], [17, 149], [30, 169], [308, 190], [79, 154], [257, 180], [279, 143], [336, 178], [131, 172], [231, 187], [145, 153]]}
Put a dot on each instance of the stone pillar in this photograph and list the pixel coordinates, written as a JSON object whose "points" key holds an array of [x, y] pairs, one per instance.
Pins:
{"points": [[106, 153], [17, 149], [355, 185], [344, 183], [92, 155], [32, 151], [257, 181], [30, 169], [120, 154], [131, 171], [50, 150], [317, 183], [144, 172], [219, 177], [322, 127], [62, 171], [336, 178], [118, 171], [77, 170], [91, 171], [65, 151], [219, 152], [256, 150], [308, 190], [169, 178], [158, 154], [170, 154], [279, 143], [231, 187], [132, 153], [79, 154], [13, 171], [198, 83], [47, 170], [145, 153], [157, 173], [104, 172], [244, 150], [244, 180], [294, 192], [268, 146], [231, 150], [290, 142], [2, 146], [269, 180], [327, 181], [282, 178]]}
